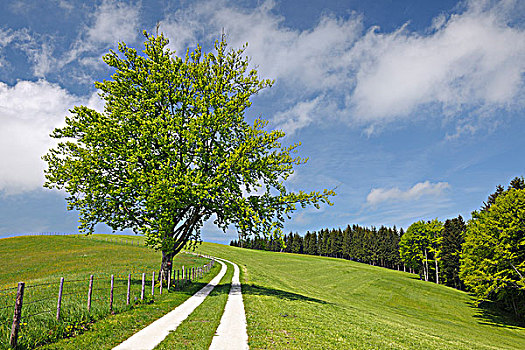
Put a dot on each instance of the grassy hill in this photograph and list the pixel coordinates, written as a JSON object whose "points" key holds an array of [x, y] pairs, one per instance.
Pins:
{"points": [[40, 261], [291, 301], [308, 302]]}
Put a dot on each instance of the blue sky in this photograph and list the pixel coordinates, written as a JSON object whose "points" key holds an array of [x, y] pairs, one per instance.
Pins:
{"points": [[411, 109]]}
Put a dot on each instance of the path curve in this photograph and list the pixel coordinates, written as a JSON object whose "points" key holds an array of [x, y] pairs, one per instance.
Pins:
{"points": [[231, 333], [153, 334]]}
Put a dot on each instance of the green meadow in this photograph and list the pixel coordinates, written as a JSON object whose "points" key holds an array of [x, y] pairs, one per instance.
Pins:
{"points": [[40, 262], [291, 301], [309, 302]]}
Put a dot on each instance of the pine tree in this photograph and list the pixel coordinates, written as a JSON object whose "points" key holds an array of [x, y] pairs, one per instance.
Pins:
{"points": [[453, 238]]}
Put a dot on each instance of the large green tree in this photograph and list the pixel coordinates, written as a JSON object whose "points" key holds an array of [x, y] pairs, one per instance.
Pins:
{"points": [[172, 149], [419, 247], [493, 257], [453, 238]]}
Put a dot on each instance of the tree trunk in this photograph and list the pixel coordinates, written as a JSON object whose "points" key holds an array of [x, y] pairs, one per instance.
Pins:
{"points": [[425, 267], [437, 270], [166, 265]]}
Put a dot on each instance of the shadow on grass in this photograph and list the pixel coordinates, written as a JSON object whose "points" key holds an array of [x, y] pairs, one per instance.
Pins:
{"points": [[492, 315], [281, 294]]}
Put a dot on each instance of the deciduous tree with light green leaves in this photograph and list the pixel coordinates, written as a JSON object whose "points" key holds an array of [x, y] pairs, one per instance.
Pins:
{"points": [[493, 257], [173, 148], [420, 245]]}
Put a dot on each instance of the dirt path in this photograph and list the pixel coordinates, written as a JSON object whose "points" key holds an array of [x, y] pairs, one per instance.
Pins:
{"points": [[153, 334], [231, 333]]}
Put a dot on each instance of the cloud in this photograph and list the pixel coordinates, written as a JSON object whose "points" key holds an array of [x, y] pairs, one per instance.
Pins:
{"points": [[299, 116], [422, 189], [29, 111], [310, 57], [114, 21], [64, 5], [7, 37], [471, 60], [110, 22], [466, 65]]}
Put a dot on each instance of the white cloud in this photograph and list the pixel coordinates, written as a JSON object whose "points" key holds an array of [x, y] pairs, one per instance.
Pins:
{"points": [[472, 59], [114, 21], [110, 23], [8, 36], [65, 5], [468, 63], [427, 189], [299, 116], [310, 58], [29, 111]]}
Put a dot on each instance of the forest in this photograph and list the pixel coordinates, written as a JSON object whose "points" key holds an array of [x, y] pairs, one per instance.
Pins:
{"points": [[485, 256]]}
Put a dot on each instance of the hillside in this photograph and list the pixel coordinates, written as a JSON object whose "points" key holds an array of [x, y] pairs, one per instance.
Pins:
{"points": [[40, 262], [298, 302], [291, 301]]}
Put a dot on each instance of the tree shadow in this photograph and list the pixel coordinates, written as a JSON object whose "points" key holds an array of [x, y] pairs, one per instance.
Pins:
{"points": [[490, 314], [249, 289]]}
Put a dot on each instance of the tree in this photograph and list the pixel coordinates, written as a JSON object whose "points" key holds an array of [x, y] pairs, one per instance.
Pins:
{"points": [[312, 246], [420, 245], [453, 238], [493, 258], [172, 149], [346, 245], [518, 183], [297, 244]]}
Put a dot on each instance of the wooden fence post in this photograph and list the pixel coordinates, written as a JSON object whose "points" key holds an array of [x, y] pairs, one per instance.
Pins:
{"points": [[90, 291], [17, 315], [129, 289], [59, 303], [161, 280], [111, 294], [143, 286], [169, 279], [153, 284]]}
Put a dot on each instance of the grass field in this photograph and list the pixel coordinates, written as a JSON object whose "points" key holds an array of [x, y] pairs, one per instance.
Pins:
{"points": [[308, 302], [40, 261], [291, 301]]}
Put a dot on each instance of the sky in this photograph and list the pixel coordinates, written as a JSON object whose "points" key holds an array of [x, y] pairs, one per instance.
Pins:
{"points": [[410, 109]]}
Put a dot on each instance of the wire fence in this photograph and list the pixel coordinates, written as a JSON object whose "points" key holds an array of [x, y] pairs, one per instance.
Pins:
{"points": [[32, 315]]}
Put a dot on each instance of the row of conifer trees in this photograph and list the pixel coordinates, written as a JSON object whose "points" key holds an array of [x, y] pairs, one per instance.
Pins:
{"points": [[369, 245]]}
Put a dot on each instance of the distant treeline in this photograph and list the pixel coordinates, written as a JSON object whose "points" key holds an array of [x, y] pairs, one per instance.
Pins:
{"points": [[368, 245]]}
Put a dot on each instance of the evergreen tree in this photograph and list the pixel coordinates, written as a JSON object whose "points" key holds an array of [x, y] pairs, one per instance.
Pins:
{"points": [[518, 183], [347, 243], [453, 238], [297, 244], [314, 248], [335, 243]]}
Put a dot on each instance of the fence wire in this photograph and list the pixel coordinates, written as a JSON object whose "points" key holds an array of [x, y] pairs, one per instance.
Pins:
{"points": [[24, 317], [40, 299]]}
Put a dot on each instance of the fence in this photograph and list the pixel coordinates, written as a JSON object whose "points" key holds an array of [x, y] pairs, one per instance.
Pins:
{"points": [[46, 307]]}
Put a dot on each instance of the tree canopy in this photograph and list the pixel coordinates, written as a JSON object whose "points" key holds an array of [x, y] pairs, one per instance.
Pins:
{"points": [[493, 257], [421, 245], [172, 149]]}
